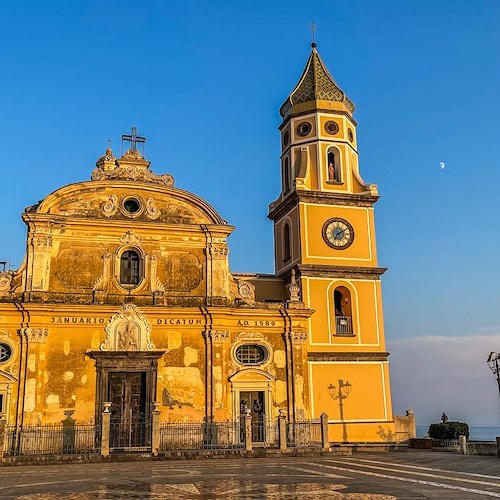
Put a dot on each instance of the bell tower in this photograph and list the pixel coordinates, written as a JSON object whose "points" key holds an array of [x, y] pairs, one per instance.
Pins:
{"points": [[324, 230]]}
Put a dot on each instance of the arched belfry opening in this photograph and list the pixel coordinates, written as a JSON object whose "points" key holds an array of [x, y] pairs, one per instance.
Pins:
{"points": [[343, 311], [334, 170]]}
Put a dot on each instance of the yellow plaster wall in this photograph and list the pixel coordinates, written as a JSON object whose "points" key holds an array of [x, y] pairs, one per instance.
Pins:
{"points": [[366, 313], [362, 252]]}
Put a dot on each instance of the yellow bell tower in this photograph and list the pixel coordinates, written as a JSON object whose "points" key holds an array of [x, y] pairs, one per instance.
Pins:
{"points": [[324, 231]]}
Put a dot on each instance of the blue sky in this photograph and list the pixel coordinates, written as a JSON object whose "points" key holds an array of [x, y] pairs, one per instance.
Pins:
{"points": [[204, 81]]}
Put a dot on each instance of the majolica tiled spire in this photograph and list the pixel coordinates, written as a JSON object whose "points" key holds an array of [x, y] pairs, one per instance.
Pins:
{"points": [[316, 84]]}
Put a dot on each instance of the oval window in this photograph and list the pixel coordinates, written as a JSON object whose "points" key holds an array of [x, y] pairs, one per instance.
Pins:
{"points": [[131, 205], [5, 352], [251, 354]]}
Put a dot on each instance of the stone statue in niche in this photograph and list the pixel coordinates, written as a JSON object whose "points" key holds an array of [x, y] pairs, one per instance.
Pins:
{"points": [[128, 330], [128, 337]]}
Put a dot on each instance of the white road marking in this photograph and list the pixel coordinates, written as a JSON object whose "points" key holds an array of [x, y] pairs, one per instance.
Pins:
{"points": [[312, 471], [427, 468], [410, 480], [426, 474]]}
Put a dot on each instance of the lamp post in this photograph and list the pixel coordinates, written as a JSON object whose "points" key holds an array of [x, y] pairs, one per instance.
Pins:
{"points": [[340, 394], [494, 363]]}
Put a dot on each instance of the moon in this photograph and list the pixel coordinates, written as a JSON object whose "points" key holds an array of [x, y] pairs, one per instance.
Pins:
{"points": [[442, 165]]}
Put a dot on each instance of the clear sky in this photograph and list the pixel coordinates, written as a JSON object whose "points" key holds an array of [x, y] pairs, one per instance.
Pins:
{"points": [[204, 81]]}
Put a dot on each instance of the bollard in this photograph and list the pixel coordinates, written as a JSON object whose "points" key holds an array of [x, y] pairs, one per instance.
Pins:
{"points": [[498, 446], [155, 431], [462, 442], [248, 431], [3, 425], [282, 430], [325, 440], [105, 430]]}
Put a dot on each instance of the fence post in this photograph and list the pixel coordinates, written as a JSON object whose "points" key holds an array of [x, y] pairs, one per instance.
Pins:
{"points": [[105, 428], [155, 433], [69, 432], [462, 442], [3, 425], [325, 441], [248, 430], [282, 430]]}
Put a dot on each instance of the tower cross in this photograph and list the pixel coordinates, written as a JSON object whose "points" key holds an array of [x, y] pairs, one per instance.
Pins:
{"points": [[133, 138], [313, 29]]}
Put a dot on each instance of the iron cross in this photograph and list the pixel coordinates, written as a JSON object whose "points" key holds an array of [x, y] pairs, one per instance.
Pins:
{"points": [[133, 138], [313, 29]]}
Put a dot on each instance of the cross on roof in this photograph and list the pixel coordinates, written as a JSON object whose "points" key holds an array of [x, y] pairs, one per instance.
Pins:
{"points": [[313, 29], [133, 138]]}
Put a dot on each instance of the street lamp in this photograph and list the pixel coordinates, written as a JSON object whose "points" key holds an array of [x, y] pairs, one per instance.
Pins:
{"points": [[494, 364]]}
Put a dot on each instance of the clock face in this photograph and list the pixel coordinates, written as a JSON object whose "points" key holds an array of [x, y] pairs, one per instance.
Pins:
{"points": [[338, 233]]}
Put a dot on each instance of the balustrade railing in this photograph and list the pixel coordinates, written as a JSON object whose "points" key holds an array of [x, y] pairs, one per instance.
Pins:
{"points": [[343, 325]]}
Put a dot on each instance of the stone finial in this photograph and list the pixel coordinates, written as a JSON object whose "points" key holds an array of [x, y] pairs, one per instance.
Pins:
{"points": [[294, 289]]}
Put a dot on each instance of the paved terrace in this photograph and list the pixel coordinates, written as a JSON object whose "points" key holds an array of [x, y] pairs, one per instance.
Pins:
{"points": [[411, 475]]}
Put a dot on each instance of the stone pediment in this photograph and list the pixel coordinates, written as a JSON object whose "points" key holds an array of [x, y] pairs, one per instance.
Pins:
{"points": [[128, 330]]}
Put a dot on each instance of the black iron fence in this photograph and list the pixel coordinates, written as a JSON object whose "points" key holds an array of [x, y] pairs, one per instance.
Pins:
{"points": [[201, 436], [55, 439]]}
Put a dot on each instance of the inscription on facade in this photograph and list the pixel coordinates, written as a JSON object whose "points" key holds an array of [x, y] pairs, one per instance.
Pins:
{"points": [[77, 320], [256, 322]]}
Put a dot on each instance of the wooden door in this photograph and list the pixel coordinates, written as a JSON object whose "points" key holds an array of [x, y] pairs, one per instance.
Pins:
{"points": [[127, 394]]}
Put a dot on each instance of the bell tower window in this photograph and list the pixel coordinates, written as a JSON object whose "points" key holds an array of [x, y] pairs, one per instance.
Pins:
{"points": [[343, 311], [333, 166], [130, 268], [287, 254], [286, 176]]}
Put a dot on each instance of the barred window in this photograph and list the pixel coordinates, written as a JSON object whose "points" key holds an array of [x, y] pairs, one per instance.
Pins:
{"points": [[251, 354], [130, 268], [5, 352]]}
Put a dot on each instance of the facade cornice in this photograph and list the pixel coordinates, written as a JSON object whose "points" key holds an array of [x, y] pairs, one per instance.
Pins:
{"points": [[347, 356], [347, 272], [279, 208]]}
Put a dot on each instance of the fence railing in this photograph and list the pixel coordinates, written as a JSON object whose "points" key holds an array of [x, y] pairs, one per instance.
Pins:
{"points": [[201, 436], [245, 434], [306, 433], [51, 440]]}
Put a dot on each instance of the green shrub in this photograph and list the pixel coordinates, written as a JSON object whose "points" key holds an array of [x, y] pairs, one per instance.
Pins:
{"points": [[448, 430]]}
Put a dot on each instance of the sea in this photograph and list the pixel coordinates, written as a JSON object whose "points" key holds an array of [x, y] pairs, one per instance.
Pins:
{"points": [[475, 433]]}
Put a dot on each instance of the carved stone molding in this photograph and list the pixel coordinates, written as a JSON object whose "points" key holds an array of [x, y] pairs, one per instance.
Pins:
{"points": [[246, 290], [6, 281], [101, 283], [130, 238], [128, 330], [156, 285], [110, 207], [219, 336], [152, 212], [35, 335], [298, 338]]}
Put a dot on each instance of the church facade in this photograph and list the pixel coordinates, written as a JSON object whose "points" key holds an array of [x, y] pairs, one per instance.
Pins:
{"points": [[125, 295]]}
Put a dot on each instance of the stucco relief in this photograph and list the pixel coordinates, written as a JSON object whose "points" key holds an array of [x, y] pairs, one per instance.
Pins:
{"points": [[110, 207], [101, 283], [128, 330]]}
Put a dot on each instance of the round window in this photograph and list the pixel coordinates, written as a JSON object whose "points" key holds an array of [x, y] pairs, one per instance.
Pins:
{"points": [[331, 127], [251, 354], [304, 128], [131, 205], [5, 352], [350, 135]]}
